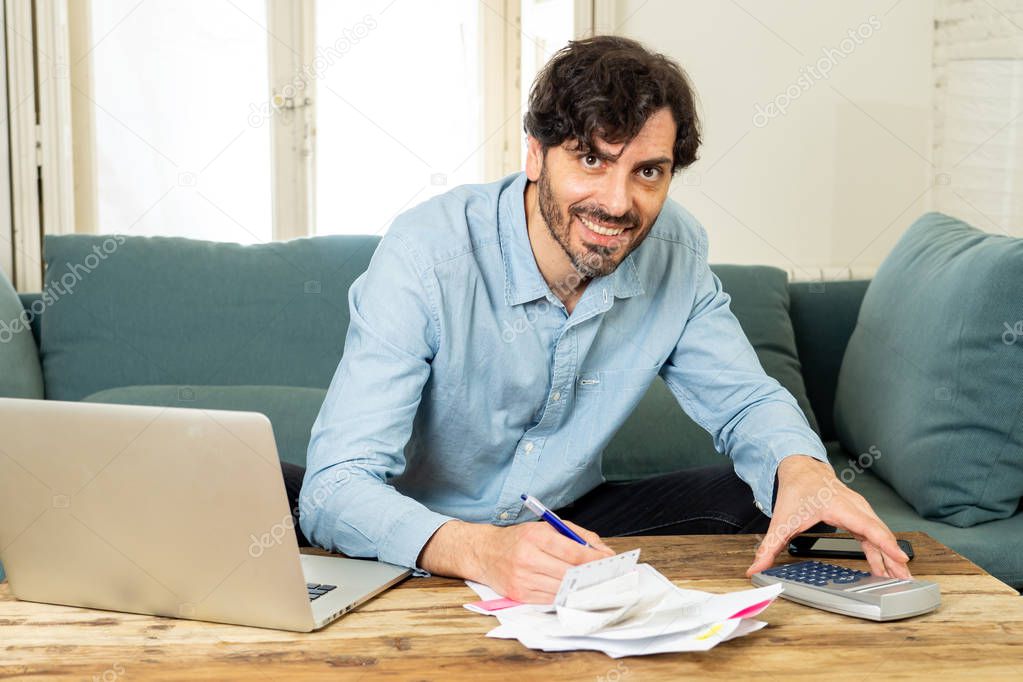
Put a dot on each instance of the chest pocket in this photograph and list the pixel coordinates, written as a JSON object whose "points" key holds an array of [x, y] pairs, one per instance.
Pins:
{"points": [[616, 380]]}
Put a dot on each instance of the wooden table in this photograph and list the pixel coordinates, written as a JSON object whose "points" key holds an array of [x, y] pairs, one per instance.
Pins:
{"points": [[420, 631]]}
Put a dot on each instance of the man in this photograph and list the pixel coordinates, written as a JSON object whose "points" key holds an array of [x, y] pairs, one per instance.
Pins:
{"points": [[502, 334]]}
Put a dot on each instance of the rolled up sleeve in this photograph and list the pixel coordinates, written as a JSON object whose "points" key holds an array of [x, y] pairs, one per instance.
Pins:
{"points": [[717, 378], [358, 441]]}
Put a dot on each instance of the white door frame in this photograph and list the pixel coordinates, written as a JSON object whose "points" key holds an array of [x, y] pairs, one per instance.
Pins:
{"points": [[6, 227], [501, 53], [26, 228], [596, 17], [53, 82], [41, 189], [291, 33]]}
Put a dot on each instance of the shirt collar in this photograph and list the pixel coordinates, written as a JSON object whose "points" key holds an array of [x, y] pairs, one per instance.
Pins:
{"points": [[522, 279]]}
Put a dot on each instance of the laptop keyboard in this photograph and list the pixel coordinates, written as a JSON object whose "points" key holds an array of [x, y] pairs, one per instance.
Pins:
{"points": [[316, 590]]}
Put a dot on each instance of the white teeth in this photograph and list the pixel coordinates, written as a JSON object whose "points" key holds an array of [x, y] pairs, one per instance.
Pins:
{"points": [[601, 230]]}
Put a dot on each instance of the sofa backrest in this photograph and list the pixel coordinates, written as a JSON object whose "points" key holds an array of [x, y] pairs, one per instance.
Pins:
{"points": [[175, 311], [823, 317], [127, 311]]}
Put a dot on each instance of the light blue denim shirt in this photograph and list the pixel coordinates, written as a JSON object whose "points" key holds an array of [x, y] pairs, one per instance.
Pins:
{"points": [[465, 382]]}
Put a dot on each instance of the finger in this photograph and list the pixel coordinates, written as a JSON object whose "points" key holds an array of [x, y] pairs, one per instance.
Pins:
{"points": [[590, 537], [531, 597], [768, 548], [868, 527], [538, 589], [778, 535], [557, 545], [874, 558], [895, 562], [874, 530], [896, 568], [899, 570], [542, 563]]}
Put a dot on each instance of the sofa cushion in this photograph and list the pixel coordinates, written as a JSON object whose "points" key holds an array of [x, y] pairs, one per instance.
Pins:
{"points": [[659, 437], [929, 379], [155, 310], [20, 373], [291, 410], [995, 546]]}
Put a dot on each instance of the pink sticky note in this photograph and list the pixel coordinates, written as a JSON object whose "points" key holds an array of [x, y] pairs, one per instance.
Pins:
{"points": [[496, 604], [751, 611]]}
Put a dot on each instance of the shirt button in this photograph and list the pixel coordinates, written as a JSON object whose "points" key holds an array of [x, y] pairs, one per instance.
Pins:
{"points": [[504, 516], [556, 396], [529, 446], [758, 505]]}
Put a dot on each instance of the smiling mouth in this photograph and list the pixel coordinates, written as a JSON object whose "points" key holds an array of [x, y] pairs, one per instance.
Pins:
{"points": [[599, 229]]}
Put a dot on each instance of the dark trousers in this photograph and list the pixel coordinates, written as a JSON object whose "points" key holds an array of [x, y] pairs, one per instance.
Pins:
{"points": [[707, 500], [703, 501]]}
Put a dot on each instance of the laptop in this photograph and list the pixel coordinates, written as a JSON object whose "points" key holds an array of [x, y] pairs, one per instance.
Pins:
{"points": [[163, 511]]}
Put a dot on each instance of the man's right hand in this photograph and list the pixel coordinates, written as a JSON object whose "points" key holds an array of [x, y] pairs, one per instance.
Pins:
{"points": [[524, 562]]}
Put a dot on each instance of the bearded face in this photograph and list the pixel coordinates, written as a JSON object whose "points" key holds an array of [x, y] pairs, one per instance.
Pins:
{"points": [[600, 203]]}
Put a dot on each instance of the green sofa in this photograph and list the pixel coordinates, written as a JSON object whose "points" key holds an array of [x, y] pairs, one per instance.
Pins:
{"points": [[166, 321]]}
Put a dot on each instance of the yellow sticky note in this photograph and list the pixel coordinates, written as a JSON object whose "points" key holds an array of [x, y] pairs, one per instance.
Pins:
{"points": [[711, 631]]}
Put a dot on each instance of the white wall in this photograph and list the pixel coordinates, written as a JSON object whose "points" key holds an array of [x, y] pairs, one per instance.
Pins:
{"points": [[978, 112], [834, 181]]}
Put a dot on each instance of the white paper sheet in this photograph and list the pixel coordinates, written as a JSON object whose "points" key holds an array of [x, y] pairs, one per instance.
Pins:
{"points": [[626, 609]]}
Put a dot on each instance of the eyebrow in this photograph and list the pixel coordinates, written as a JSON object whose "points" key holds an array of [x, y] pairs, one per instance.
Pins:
{"points": [[659, 161]]}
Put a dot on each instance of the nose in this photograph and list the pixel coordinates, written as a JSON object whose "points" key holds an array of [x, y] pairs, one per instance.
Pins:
{"points": [[616, 194]]}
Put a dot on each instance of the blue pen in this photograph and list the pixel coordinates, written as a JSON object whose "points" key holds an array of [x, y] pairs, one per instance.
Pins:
{"points": [[550, 517]]}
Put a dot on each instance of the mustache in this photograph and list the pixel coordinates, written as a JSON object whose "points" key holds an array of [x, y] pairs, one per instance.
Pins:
{"points": [[627, 220]]}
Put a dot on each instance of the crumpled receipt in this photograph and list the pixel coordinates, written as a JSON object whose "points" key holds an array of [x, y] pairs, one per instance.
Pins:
{"points": [[623, 608]]}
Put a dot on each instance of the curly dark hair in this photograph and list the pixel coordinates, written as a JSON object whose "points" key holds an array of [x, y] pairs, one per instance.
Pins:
{"points": [[607, 87]]}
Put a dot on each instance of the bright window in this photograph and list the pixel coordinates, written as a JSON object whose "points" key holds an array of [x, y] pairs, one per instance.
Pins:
{"points": [[398, 113], [547, 26], [173, 84], [187, 143]]}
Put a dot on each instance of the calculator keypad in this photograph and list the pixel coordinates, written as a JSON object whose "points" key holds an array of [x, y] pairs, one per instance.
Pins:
{"points": [[817, 573]]}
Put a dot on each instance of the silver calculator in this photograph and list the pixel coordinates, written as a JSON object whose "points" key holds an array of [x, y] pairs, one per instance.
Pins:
{"points": [[851, 592]]}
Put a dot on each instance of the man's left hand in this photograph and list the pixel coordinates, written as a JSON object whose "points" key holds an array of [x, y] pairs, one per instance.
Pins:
{"points": [[809, 492]]}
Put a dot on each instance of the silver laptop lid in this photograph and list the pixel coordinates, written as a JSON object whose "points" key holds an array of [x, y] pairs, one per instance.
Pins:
{"points": [[163, 511]]}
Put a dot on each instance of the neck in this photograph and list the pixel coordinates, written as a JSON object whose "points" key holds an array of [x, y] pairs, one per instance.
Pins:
{"points": [[554, 264]]}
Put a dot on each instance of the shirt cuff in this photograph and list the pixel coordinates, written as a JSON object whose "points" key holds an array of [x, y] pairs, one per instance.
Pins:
{"points": [[766, 485], [407, 537]]}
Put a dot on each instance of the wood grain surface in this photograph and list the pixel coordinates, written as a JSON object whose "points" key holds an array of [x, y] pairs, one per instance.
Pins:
{"points": [[419, 631]]}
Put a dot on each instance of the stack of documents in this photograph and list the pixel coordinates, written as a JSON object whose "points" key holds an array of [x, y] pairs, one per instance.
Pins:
{"points": [[623, 608]]}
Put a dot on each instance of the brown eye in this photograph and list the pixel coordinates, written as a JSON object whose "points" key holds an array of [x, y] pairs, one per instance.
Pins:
{"points": [[590, 161]]}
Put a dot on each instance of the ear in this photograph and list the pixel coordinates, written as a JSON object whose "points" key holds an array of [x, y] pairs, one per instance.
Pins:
{"points": [[534, 158]]}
